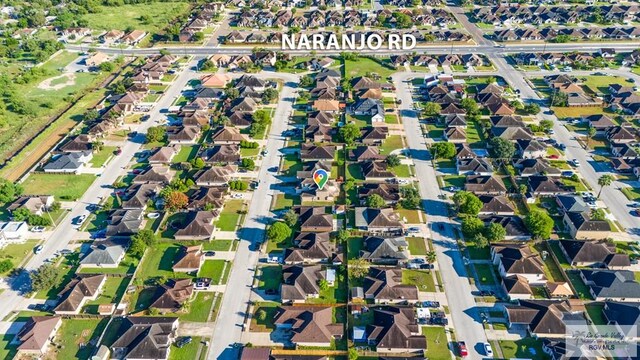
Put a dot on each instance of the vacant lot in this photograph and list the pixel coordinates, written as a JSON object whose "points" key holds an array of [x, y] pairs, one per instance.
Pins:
{"points": [[420, 278], [230, 215], [366, 66], [62, 186], [417, 246], [17, 252], [156, 16]]}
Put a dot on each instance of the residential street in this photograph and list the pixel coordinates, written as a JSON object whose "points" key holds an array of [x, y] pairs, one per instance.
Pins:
{"points": [[228, 329], [464, 313], [60, 238]]}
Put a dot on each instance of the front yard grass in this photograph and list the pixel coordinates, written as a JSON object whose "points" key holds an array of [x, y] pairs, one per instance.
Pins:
{"points": [[62, 186], [200, 307], [454, 180], [189, 351], [392, 142], [230, 215], [270, 277], [437, 343], [112, 291], [285, 201], [158, 261], [186, 153], [420, 278], [18, 252], [217, 245], [417, 246], [523, 349], [100, 158], [485, 273], [213, 269], [402, 171], [411, 216], [265, 324]]}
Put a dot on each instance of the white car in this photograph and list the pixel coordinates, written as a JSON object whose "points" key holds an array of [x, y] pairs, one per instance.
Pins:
{"points": [[37, 229], [576, 162], [37, 249], [153, 215], [487, 349]]}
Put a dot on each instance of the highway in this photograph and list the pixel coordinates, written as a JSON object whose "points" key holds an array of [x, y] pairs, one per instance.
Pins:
{"points": [[464, 313], [228, 328], [64, 233]]}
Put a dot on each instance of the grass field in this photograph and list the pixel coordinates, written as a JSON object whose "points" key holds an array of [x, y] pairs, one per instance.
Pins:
{"points": [[186, 153], [420, 278], [363, 66], [229, 215], [17, 252], [437, 344], [129, 16], [188, 351], [74, 335], [100, 158], [265, 324], [213, 269], [158, 261], [412, 216], [62, 186], [417, 246], [484, 272], [200, 307], [393, 142], [217, 245]]}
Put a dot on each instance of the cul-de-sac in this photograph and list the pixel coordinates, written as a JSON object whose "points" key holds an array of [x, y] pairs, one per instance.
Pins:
{"points": [[319, 179]]}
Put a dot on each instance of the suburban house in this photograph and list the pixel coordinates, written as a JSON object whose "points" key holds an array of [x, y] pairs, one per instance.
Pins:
{"points": [[379, 250], [105, 254], [518, 259], [496, 205], [378, 220], [300, 282], [172, 296], [384, 285], [198, 225], [310, 248], [622, 314], [314, 219], [581, 226], [617, 285], [597, 254], [71, 163], [545, 318], [311, 152], [189, 259], [485, 185], [372, 108], [163, 155], [205, 197], [138, 196], [36, 335], [215, 176], [36, 204], [514, 225], [376, 171], [390, 193], [309, 325], [144, 337], [156, 173], [395, 330], [79, 290], [474, 166], [124, 222]]}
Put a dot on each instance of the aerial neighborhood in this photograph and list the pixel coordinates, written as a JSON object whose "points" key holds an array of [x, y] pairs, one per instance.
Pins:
{"points": [[175, 184]]}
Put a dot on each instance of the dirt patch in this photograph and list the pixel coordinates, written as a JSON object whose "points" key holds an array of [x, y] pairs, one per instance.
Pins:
{"points": [[58, 82]]}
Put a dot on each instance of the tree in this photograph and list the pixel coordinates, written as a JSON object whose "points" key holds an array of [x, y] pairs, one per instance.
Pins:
{"points": [[480, 240], [349, 133], [248, 164], [375, 201], [539, 224], [9, 191], [470, 105], [20, 214], [443, 150], [176, 200], [467, 203], [431, 109], [590, 134], [410, 198], [353, 354], [147, 236], [559, 99], [392, 160], [306, 81], [197, 163], [207, 65], [531, 109], [290, 217], [323, 284], [198, 37], [90, 115], [604, 180], [269, 95], [495, 232], [471, 226], [5, 266], [358, 268], [343, 235], [278, 232], [502, 149], [261, 315], [156, 134], [107, 66], [598, 214], [430, 257], [45, 277]]}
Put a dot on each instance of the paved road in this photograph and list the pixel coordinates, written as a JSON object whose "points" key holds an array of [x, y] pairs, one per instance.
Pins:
{"points": [[464, 313], [430, 49], [62, 235], [228, 329]]}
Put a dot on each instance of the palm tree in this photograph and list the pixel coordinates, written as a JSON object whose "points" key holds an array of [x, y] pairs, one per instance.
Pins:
{"points": [[430, 257], [604, 180]]}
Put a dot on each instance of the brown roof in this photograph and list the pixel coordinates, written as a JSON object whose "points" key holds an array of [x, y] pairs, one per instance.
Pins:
{"points": [[37, 331], [310, 324], [155, 174], [396, 328], [544, 316], [74, 293], [228, 134], [386, 284], [199, 224], [517, 284], [326, 105], [484, 184], [173, 295], [189, 259], [163, 155]]}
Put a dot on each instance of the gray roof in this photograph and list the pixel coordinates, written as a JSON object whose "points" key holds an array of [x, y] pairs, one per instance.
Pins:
{"points": [[572, 203], [106, 252], [612, 283], [381, 249], [68, 161]]}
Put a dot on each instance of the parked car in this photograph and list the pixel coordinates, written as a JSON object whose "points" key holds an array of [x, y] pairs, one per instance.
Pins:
{"points": [[37, 229], [210, 253], [575, 162], [426, 266], [38, 249], [118, 151], [462, 349], [413, 229], [487, 350], [183, 341]]}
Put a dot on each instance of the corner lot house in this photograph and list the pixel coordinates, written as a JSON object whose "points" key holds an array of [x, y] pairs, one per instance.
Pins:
{"points": [[145, 337], [36, 335]]}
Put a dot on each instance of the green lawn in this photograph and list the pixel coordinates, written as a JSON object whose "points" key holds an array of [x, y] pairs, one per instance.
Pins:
{"points": [[158, 261], [100, 158], [437, 343], [581, 289], [417, 246], [391, 119], [62, 186], [485, 273], [265, 324], [522, 349], [186, 153], [411, 216], [402, 171], [270, 277], [576, 185], [112, 291], [188, 351], [363, 66], [214, 269], [200, 307], [631, 193], [74, 335], [420, 278], [600, 84], [18, 252], [454, 180], [354, 245], [436, 131], [67, 268], [217, 245], [354, 171], [7, 350], [129, 16], [230, 215], [576, 112], [595, 313], [285, 201], [244, 152], [393, 142]]}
